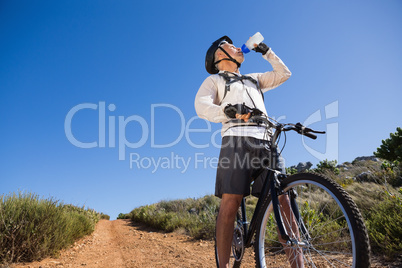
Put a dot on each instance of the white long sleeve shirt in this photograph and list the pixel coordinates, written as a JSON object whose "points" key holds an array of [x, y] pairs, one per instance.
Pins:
{"points": [[211, 100]]}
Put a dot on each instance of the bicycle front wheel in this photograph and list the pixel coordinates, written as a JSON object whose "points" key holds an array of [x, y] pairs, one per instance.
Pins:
{"points": [[330, 231]]}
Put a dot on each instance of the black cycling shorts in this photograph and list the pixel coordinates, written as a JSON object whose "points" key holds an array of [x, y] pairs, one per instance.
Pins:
{"points": [[242, 160]]}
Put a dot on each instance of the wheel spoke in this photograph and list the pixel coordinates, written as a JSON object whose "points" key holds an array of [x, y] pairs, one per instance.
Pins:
{"points": [[325, 211], [321, 253]]}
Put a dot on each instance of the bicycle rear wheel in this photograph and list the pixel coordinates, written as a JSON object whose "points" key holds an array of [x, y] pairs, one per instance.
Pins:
{"points": [[335, 236]]}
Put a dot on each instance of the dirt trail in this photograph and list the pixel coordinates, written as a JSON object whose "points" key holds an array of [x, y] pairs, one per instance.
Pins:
{"points": [[120, 243]]}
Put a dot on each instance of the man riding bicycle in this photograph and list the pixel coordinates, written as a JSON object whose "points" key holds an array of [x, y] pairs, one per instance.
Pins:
{"points": [[230, 98]]}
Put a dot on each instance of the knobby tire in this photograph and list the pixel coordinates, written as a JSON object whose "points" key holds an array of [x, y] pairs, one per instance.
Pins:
{"points": [[338, 235]]}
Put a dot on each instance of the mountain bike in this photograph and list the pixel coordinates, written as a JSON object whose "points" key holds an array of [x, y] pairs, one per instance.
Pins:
{"points": [[301, 220]]}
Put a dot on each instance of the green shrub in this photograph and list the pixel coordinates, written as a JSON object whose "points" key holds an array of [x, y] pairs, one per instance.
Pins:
{"points": [[391, 148], [384, 224], [291, 170], [123, 216], [32, 228], [391, 173], [324, 165], [104, 217], [195, 216]]}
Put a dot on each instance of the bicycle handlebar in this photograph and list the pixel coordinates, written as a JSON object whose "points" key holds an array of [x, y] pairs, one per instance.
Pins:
{"points": [[259, 118], [299, 128]]}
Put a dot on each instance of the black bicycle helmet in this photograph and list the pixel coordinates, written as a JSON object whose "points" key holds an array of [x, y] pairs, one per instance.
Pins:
{"points": [[210, 57]]}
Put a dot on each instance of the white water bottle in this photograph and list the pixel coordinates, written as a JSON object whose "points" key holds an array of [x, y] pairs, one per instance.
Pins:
{"points": [[257, 38]]}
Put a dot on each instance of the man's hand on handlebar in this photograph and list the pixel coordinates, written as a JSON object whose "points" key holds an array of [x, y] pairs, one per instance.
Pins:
{"points": [[245, 113], [240, 111], [244, 117]]}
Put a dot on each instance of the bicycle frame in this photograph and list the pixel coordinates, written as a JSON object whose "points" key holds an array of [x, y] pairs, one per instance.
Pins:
{"points": [[271, 187], [249, 233]]}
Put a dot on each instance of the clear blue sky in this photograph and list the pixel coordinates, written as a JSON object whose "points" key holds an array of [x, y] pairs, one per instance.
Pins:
{"points": [[137, 66]]}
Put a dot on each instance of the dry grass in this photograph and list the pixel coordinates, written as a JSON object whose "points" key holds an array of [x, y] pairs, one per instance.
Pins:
{"points": [[32, 228]]}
